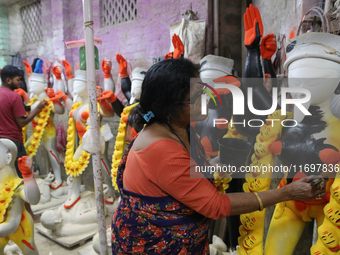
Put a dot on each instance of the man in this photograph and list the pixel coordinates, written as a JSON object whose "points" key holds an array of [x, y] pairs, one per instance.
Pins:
{"points": [[12, 112], [13, 115]]}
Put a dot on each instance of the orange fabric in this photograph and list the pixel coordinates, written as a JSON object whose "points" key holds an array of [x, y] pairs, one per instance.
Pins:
{"points": [[163, 168]]}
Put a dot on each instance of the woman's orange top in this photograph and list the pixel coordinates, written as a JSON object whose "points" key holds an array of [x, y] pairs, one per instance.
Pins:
{"points": [[163, 168]]}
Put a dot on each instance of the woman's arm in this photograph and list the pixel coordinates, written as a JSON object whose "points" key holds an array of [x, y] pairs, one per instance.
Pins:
{"points": [[200, 195], [298, 190]]}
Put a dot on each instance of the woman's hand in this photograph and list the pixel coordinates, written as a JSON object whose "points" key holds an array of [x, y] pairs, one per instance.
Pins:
{"points": [[303, 190]]}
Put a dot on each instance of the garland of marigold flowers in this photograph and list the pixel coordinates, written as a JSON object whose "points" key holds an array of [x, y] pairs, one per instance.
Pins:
{"points": [[34, 140], [119, 145], [74, 167], [24, 133], [24, 129], [7, 190]]}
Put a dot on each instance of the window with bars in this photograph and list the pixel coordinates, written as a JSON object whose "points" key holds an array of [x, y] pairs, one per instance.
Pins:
{"points": [[117, 11], [31, 18]]}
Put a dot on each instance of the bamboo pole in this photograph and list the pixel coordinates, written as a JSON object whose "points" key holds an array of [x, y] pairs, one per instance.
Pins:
{"points": [[94, 123]]}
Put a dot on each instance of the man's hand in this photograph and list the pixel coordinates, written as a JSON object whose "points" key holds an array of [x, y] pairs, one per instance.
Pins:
{"points": [[42, 104], [268, 46], [24, 120], [253, 27], [25, 166], [68, 69], [106, 67], [122, 65]]}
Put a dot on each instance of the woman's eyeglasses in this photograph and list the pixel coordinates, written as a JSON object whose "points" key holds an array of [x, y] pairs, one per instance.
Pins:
{"points": [[197, 98]]}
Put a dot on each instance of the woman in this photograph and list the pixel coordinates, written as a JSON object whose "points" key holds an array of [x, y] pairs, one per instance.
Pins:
{"points": [[162, 209]]}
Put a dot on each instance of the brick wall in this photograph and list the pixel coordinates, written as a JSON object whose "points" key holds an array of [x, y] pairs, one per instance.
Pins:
{"points": [[230, 32], [139, 40]]}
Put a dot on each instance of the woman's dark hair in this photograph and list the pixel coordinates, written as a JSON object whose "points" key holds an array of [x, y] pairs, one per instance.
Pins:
{"points": [[164, 88], [10, 72]]}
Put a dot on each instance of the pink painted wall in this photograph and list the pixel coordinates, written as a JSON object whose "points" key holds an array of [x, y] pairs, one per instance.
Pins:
{"points": [[139, 40]]}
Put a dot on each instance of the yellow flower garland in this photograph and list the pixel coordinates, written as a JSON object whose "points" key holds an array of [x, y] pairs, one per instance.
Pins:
{"points": [[74, 167], [7, 190], [119, 145], [24, 129], [42, 117]]}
